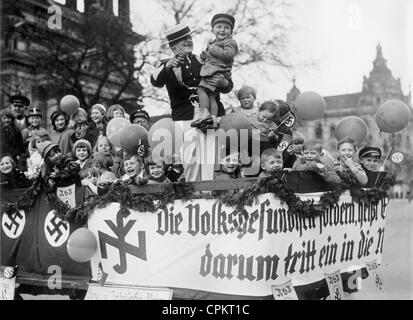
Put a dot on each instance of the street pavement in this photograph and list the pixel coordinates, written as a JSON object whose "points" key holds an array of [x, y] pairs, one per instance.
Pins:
{"points": [[397, 260]]}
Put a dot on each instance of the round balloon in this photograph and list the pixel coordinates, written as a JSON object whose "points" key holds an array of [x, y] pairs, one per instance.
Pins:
{"points": [[69, 104], [392, 116], [134, 140], [82, 245], [309, 106], [351, 127], [234, 128], [114, 129], [168, 135]]}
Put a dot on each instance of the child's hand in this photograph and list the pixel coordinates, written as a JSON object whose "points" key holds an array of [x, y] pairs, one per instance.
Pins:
{"points": [[141, 181], [348, 162], [320, 167], [288, 169]]}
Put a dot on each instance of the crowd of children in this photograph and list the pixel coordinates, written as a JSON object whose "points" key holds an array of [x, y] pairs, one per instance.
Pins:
{"points": [[71, 155]]}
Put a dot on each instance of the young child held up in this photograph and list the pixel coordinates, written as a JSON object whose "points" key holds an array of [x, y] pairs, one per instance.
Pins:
{"points": [[82, 152], [10, 176], [313, 159], [134, 168], [347, 150], [271, 160], [216, 70], [58, 170]]}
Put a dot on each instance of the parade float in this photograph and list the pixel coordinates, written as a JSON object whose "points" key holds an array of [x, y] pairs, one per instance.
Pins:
{"points": [[282, 237]]}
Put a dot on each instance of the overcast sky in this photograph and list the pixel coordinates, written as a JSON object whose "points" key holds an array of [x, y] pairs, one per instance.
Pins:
{"points": [[339, 35]]}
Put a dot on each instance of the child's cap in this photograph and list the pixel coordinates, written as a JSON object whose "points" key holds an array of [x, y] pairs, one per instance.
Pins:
{"points": [[34, 112], [346, 140], [82, 143], [223, 17], [45, 147], [370, 152]]}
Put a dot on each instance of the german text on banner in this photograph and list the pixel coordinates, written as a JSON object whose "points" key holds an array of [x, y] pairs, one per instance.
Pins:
{"points": [[203, 245]]}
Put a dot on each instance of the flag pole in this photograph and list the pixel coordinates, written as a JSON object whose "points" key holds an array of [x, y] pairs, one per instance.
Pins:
{"points": [[384, 162]]}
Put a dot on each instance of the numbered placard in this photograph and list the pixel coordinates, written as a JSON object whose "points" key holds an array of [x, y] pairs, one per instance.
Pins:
{"points": [[67, 195], [284, 291], [374, 272], [335, 285]]}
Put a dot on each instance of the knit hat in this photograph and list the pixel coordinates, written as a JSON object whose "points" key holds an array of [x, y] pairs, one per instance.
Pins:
{"points": [[45, 147], [100, 107], [370, 152], [82, 143], [223, 17], [56, 114], [34, 112]]}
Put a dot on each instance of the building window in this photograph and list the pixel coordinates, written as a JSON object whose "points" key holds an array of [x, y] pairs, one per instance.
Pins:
{"points": [[319, 131]]}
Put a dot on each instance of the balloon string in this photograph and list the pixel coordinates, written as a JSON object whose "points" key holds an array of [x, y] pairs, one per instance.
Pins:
{"points": [[384, 162]]}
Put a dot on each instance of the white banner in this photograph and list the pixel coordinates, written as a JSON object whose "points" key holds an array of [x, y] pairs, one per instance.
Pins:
{"points": [[203, 245]]}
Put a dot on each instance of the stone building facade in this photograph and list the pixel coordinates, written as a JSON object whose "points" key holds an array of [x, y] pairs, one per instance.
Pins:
{"points": [[377, 88], [19, 74]]}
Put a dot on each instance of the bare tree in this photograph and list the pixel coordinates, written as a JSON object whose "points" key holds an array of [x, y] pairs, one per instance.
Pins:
{"points": [[262, 31], [93, 58]]}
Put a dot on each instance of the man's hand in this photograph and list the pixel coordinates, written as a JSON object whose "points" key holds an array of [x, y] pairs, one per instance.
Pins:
{"points": [[175, 61]]}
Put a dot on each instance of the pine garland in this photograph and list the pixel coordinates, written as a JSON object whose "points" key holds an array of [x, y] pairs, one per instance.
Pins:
{"points": [[238, 199]]}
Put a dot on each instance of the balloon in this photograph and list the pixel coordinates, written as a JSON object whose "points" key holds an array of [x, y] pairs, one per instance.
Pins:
{"points": [[114, 129], [134, 139], [169, 133], [69, 104], [351, 127], [392, 116], [309, 105], [235, 123], [82, 245]]}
